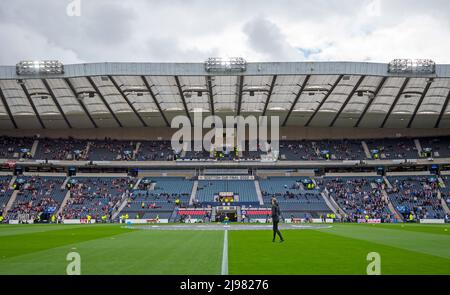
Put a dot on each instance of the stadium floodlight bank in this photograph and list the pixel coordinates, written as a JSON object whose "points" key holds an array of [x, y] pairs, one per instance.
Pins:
{"points": [[39, 67], [231, 64], [417, 66]]}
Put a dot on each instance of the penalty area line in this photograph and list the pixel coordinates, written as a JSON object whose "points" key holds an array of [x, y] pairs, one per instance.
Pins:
{"points": [[225, 253]]}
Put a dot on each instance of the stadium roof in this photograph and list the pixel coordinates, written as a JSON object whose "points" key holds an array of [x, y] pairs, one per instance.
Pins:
{"points": [[313, 94]]}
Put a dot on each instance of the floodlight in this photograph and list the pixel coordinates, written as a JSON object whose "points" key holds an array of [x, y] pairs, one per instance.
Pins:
{"points": [[231, 64], [28, 67], [418, 66]]}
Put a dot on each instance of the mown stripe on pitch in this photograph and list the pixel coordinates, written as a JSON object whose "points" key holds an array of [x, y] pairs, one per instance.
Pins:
{"points": [[225, 253], [22, 244], [424, 243]]}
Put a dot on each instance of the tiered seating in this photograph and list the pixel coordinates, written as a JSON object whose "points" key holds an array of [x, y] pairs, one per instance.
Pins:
{"points": [[297, 150], [342, 149], [245, 189], [394, 148], [446, 179], [37, 195], [61, 149], [11, 147], [95, 196], [249, 155], [440, 146], [293, 199], [358, 196], [445, 191], [155, 151], [161, 150], [312, 150], [110, 150], [5, 191], [161, 201], [415, 194], [196, 155]]}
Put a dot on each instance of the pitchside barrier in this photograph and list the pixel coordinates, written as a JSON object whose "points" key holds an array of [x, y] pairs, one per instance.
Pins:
{"points": [[78, 221], [144, 221], [65, 221], [431, 221], [370, 220], [292, 220], [193, 220], [16, 221]]}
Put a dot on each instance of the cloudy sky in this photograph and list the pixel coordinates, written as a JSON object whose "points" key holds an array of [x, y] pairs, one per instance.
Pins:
{"points": [[191, 31]]}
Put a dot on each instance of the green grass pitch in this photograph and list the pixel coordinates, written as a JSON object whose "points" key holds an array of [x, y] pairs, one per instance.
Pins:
{"points": [[114, 249]]}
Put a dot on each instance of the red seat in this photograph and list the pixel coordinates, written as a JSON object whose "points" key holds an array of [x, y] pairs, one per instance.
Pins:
{"points": [[258, 212], [191, 212]]}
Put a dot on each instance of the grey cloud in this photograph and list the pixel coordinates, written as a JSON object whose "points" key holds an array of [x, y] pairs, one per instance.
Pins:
{"points": [[266, 37], [179, 30], [109, 23], [169, 49]]}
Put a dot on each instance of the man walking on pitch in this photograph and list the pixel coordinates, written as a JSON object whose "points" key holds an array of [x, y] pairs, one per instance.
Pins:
{"points": [[275, 219]]}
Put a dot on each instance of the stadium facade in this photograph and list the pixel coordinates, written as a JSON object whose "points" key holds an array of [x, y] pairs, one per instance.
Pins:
{"points": [[354, 137], [308, 94]]}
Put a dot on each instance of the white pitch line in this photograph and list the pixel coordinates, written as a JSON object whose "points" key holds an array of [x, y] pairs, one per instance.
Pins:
{"points": [[225, 253]]}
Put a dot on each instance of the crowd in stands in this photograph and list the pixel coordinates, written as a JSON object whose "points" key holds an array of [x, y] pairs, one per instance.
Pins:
{"points": [[297, 150], [95, 196], [5, 192], [61, 149], [341, 149], [150, 200], [15, 147], [417, 195], [321, 150], [109, 149], [36, 195], [158, 197], [360, 198], [163, 197], [295, 197], [393, 148], [440, 146], [155, 151]]}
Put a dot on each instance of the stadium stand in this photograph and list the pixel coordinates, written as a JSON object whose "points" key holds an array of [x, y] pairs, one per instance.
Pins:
{"points": [[244, 190], [158, 197], [397, 148], [294, 199], [95, 196], [340, 118], [160, 150], [109, 150], [440, 146], [358, 197], [297, 150], [341, 149], [38, 194], [5, 191], [61, 149], [15, 147], [417, 194], [155, 151]]}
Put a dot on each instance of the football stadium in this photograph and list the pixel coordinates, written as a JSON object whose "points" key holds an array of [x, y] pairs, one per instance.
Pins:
{"points": [[89, 167], [203, 147]]}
